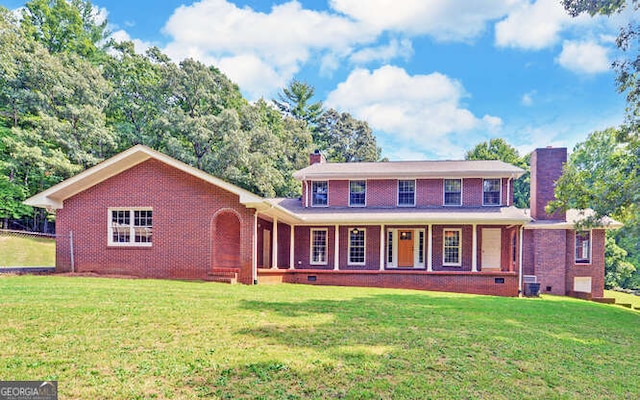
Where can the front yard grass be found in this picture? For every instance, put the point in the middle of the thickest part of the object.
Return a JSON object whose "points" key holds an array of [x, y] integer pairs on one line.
{"points": [[140, 339]]}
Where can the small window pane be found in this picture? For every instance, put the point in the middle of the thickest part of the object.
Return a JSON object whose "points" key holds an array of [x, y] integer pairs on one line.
{"points": [[406, 193], [319, 195], [356, 246], [451, 247], [491, 189], [452, 192], [319, 247], [357, 193]]}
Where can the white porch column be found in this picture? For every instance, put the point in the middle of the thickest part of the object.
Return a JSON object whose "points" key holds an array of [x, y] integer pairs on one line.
{"points": [[382, 247], [429, 247], [292, 238], [274, 241], [474, 239], [254, 249], [336, 249]]}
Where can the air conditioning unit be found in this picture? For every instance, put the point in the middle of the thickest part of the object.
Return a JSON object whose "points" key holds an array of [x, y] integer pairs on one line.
{"points": [[529, 279]]}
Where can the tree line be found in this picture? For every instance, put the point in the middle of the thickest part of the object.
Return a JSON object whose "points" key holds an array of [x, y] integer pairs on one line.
{"points": [[71, 97]]}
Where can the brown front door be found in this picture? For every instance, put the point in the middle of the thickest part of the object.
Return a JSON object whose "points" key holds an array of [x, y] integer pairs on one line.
{"points": [[405, 248]]}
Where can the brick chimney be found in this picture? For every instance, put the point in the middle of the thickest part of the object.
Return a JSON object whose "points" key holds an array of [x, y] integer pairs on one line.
{"points": [[546, 168], [316, 158]]}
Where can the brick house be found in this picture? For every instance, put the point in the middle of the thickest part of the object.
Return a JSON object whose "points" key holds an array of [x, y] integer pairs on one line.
{"points": [[432, 225]]}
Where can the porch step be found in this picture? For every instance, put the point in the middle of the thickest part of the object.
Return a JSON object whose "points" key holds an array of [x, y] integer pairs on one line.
{"points": [[224, 275]]}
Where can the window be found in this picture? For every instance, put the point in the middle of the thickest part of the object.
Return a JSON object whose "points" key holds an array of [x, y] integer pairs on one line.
{"points": [[357, 193], [406, 193], [491, 192], [356, 246], [130, 227], [318, 246], [452, 192], [452, 247], [583, 247], [319, 193], [421, 247], [390, 247]]}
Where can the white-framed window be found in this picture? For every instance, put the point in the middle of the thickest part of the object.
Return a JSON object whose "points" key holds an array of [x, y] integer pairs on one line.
{"points": [[406, 193], [357, 193], [130, 227], [583, 247], [319, 193], [357, 246], [452, 247], [318, 246], [491, 192], [453, 192]]}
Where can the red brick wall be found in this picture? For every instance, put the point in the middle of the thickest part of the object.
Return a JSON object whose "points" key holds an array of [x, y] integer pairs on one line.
{"points": [[338, 193], [382, 192], [302, 249], [546, 168], [549, 260], [460, 282], [595, 270], [429, 192], [183, 225], [372, 248], [284, 245]]}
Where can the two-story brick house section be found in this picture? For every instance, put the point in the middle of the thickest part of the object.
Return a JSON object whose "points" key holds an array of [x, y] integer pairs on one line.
{"points": [[432, 225]]}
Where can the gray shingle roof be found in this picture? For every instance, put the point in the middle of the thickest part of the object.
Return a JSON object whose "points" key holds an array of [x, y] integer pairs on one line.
{"points": [[410, 170]]}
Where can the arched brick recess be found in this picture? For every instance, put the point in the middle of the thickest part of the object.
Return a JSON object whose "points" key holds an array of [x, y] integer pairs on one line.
{"points": [[225, 238]]}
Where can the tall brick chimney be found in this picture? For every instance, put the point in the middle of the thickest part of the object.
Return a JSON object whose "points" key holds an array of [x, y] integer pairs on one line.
{"points": [[546, 168], [316, 158]]}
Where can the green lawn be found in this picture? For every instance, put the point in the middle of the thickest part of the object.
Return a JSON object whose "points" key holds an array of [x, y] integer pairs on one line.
{"points": [[623, 298], [135, 339], [21, 251]]}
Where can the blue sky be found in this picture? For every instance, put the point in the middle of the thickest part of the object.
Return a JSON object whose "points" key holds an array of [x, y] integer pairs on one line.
{"points": [[432, 78]]}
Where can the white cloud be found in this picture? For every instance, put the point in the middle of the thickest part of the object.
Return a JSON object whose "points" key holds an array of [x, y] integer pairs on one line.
{"points": [[283, 39], [527, 98], [441, 19], [140, 46], [395, 48], [424, 111], [532, 26], [584, 57]]}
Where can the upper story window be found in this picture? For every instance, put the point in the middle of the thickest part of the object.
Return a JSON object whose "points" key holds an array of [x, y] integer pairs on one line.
{"points": [[452, 192], [491, 192], [357, 193], [130, 227], [319, 193], [406, 193], [583, 247]]}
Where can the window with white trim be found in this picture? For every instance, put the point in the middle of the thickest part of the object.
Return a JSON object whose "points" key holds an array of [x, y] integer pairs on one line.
{"points": [[406, 192], [319, 193], [452, 247], [319, 246], [357, 193], [491, 192], [583, 247], [130, 227], [357, 246], [452, 192]]}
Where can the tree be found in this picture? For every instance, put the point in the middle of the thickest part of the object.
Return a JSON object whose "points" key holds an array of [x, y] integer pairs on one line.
{"points": [[499, 149], [345, 139], [628, 70], [294, 101], [603, 173], [619, 273], [65, 26]]}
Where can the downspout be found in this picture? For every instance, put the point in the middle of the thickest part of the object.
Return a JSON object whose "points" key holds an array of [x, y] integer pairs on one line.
{"points": [[520, 261]]}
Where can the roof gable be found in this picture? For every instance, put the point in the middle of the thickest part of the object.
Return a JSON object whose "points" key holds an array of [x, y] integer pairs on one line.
{"points": [[53, 198], [410, 169]]}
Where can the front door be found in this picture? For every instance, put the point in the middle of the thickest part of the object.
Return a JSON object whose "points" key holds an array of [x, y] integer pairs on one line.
{"points": [[405, 248], [491, 249]]}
